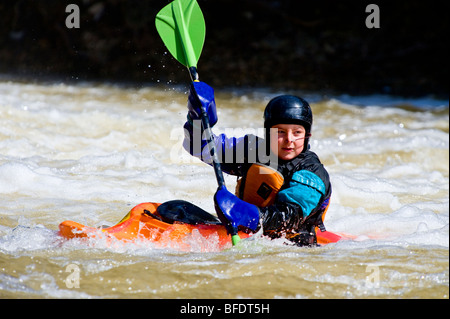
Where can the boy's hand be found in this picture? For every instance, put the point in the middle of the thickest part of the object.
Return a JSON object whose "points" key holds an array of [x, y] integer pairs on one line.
{"points": [[234, 212], [205, 95]]}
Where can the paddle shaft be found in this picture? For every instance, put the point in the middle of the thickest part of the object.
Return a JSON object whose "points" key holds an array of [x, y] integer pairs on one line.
{"points": [[182, 28], [235, 239], [209, 136], [212, 150]]}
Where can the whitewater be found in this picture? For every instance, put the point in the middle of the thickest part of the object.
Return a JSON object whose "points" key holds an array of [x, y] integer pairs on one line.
{"points": [[89, 152]]}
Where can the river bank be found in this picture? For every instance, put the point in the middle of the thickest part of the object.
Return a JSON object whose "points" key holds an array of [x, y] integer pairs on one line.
{"points": [[316, 46]]}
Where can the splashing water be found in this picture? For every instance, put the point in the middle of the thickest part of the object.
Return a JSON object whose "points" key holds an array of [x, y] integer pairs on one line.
{"points": [[90, 152]]}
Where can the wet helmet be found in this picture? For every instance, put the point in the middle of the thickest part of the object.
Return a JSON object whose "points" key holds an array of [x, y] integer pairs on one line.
{"points": [[289, 109]]}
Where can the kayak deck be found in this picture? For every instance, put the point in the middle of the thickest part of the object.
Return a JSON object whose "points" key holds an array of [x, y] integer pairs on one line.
{"points": [[144, 223]]}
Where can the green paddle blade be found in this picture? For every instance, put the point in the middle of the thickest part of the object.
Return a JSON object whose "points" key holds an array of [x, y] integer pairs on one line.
{"points": [[181, 26]]}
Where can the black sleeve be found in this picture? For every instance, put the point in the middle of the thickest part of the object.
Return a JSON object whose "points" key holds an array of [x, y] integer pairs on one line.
{"points": [[234, 153], [280, 217]]}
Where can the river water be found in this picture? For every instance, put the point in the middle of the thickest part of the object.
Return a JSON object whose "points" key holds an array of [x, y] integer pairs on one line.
{"points": [[90, 152]]}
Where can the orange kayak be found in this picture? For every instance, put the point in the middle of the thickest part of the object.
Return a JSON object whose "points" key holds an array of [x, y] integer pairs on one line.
{"points": [[144, 222]]}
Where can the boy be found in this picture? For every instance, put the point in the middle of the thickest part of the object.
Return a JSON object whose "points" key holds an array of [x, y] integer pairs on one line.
{"points": [[282, 185]]}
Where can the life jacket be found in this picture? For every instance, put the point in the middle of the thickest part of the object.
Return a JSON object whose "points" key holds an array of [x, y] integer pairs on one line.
{"points": [[261, 184]]}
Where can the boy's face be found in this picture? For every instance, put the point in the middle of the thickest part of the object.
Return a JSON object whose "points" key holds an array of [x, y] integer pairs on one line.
{"points": [[287, 140]]}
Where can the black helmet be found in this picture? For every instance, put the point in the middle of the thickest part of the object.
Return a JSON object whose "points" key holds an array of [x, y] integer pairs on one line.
{"points": [[288, 109]]}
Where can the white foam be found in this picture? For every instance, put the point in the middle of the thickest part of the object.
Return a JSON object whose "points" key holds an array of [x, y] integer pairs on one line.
{"points": [[90, 153]]}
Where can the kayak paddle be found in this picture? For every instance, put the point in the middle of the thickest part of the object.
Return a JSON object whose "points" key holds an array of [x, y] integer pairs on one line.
{"points": [[181, 27]]}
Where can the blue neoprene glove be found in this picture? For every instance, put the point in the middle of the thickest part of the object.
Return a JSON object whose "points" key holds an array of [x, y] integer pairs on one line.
{"points": [[235, 212], [205, 95]]}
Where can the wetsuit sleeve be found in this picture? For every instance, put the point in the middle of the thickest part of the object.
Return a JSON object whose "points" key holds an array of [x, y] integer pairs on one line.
{"points": [[294, 203], [305, 190], [232, 151]]}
